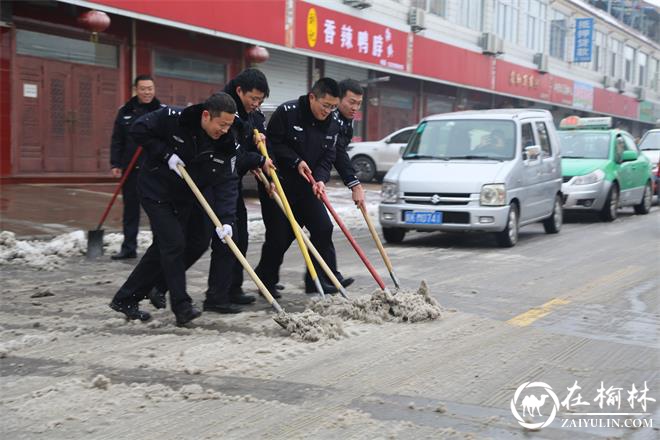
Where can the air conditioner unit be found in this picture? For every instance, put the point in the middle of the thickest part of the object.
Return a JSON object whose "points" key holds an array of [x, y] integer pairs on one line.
{"points": [[608, 81], [416, 19], [641, 93], [491, 44], [620, 85], [359, 4], [541, 61]]}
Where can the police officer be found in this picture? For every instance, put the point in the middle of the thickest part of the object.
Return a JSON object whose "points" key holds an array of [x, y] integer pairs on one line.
{"points": [[302, 135], [225, 293], [249, 89], [122, 148], [350, 101], [199, 138]]}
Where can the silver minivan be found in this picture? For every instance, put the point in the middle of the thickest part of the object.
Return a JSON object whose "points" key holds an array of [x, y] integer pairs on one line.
{"points": [[482, 170]]}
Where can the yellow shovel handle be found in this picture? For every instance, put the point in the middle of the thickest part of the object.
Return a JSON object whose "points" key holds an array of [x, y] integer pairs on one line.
{"points": [[262, 177], [289, 214]]}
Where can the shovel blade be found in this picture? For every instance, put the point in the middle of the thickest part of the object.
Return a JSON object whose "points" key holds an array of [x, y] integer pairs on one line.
{"points": [[94, 244]]}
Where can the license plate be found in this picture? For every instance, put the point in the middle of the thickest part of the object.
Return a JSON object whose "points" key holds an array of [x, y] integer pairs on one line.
{"points": [[422, 217]]}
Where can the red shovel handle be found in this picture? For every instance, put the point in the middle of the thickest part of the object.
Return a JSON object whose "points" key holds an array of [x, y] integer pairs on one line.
{"points": [[124, 176], [348, 235]]}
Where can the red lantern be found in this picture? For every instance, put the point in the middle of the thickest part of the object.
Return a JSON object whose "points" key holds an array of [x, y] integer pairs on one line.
{"points": [[257, 54], [95, 21]]}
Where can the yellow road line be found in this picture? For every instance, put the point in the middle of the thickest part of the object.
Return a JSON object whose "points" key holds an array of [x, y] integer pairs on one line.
{"points": [[528, 317], [525, 319]]}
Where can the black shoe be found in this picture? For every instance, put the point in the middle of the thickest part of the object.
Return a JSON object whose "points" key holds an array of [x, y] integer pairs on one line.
{"points": [[187, 314], [227, 308], [345, 282], [310, 286], [238, 297], [279, 286], [124, 255], [131, 310], [157, 298]]}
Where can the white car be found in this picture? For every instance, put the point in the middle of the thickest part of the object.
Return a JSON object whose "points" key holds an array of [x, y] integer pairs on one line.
{"points": [[374, 159], [650, 147]]}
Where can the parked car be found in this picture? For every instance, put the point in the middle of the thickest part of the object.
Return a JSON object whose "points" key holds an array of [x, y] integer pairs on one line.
{"points": [[374, 159], [602, 168], [485, 170], [650, 147]]}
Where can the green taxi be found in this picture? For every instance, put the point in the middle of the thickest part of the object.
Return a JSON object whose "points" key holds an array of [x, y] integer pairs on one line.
{"points": [[602, 168]]}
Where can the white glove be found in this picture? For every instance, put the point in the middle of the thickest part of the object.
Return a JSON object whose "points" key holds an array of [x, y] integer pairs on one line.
{"points": [[173, 161], [224, 231]]}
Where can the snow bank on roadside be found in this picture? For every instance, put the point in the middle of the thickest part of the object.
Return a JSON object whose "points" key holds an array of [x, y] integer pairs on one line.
{"points": [[50, 254]]}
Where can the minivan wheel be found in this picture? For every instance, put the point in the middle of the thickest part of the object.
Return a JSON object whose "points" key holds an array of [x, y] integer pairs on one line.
{"points": [[552, 224], [509, 236], [394, 235], [365, 168], [611, 207], [644, 206]]}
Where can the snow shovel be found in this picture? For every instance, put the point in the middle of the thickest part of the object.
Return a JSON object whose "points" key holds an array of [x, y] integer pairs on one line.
{"points": [[348, 235], [379, 245], [262, 177], [281, 317], [292, 220], [95, 236]]}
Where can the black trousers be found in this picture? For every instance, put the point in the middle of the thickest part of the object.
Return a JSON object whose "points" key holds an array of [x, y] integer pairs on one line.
{"points": [[226, 272], [165, 256], [131, 216], [310, 213], [200, 231]]}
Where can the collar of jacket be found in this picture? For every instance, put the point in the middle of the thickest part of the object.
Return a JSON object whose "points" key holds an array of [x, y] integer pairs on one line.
{"points": [[343, 118], [308, 116], [133, 103], [191, 118], [230, 89]]}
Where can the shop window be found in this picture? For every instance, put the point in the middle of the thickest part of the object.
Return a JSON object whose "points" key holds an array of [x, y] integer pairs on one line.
{"points": [[558, 31], [435, 7], [506, 20], [192, 69], [470, 14], [65, 49], [615, 50], [629, 57], [641, 63], [536, 17]]}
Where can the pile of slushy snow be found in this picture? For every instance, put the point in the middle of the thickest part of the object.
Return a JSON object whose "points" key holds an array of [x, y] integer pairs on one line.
{"points": [[383, 305], [50, 254]]}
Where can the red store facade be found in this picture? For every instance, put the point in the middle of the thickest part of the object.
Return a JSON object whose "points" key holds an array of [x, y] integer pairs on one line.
{"points": [[60, 91]]}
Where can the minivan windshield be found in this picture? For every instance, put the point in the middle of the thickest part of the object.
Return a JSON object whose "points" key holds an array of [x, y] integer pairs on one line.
{"points": [[584, 144], [466, 139]]}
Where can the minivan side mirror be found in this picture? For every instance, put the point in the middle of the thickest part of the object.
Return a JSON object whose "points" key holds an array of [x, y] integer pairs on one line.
{"points": [[388, 140], [629, 155], [532, 152]]}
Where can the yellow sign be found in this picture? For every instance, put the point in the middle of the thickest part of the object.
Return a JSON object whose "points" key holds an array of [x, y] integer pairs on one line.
{"points": [[312, 27]]}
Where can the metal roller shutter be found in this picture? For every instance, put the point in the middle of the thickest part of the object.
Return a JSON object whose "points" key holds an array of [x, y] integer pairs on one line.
{"points": [[286, 74], [339, 71]]}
